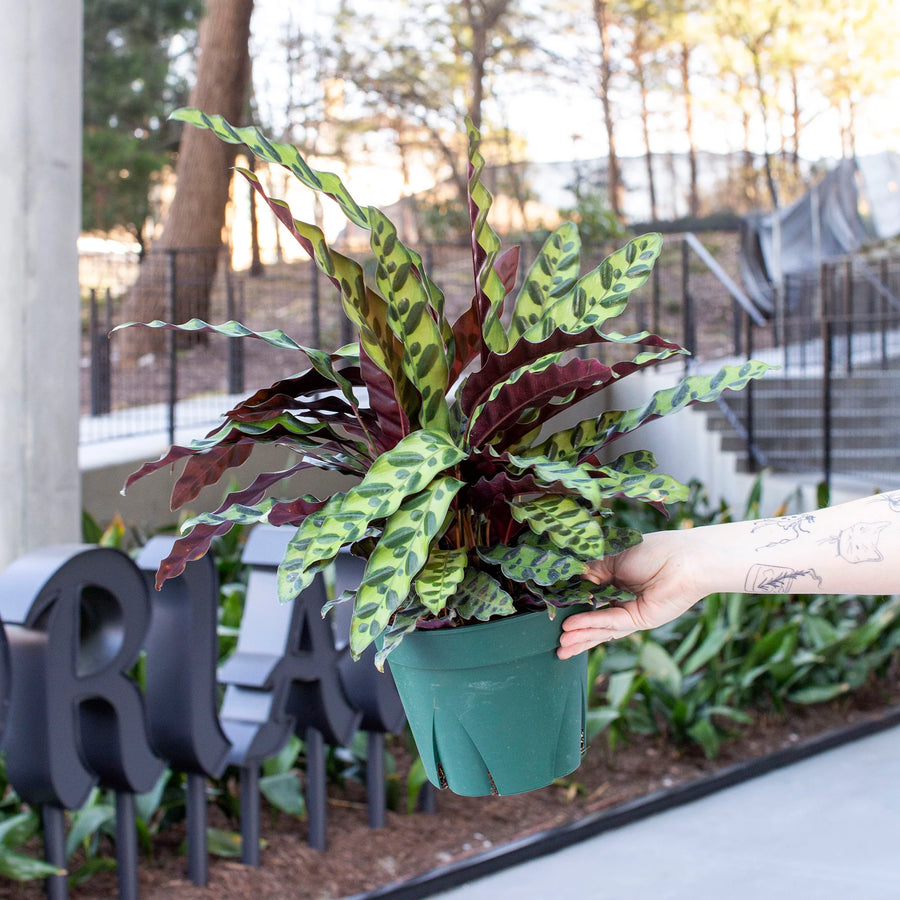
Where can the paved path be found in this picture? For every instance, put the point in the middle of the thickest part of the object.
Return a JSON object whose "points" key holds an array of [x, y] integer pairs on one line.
{"points": [[827, 828]]}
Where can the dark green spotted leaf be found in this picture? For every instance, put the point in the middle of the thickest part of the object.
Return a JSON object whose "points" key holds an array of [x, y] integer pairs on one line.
{"points": [[490, 291], [364, 308], [560, 596], [543, 563], [619, 537], [481, 597], [602, 294], [652, 488], [403, 622], [439, 578], [552, 275], [410, 318], [397, 558], [281, 154], [578, 479], [565, 522], [345, 518]]}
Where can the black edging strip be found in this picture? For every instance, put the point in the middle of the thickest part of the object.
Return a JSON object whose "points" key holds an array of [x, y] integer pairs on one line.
{"points": [[554, 839]]}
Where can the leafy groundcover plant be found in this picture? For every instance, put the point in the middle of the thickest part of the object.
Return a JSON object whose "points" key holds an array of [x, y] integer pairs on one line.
{"points": [[468, 508]]}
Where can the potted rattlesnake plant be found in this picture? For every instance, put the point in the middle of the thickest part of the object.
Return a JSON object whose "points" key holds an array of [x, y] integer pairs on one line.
{"points": [[476, 519]]}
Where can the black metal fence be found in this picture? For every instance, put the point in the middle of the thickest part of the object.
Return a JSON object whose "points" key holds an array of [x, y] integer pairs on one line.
{"points": [[137, 385], [143, 381], [833, 335]]}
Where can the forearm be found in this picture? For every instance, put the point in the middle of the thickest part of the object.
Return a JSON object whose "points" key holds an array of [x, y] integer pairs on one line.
{"points": [[852, 548]]}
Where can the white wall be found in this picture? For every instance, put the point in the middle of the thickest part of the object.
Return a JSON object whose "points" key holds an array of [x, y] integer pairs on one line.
{"points": [[40, 210], [686, 449]]}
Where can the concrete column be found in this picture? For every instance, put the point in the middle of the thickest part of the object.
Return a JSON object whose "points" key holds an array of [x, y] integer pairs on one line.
{"points": [[40, 212]]}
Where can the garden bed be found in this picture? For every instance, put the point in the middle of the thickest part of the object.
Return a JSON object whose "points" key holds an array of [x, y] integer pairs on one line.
{"points": [[416, 855]]}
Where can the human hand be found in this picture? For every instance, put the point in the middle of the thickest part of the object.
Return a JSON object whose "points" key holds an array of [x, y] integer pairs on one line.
{"points": [[656, 572]]}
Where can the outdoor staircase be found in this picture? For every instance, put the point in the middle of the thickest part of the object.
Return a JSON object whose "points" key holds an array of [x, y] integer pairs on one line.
{"points": [[789, 423]]}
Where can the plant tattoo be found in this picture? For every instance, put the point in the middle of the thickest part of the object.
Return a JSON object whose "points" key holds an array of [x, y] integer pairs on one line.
{"points": [[791, 526], [763, 579]]}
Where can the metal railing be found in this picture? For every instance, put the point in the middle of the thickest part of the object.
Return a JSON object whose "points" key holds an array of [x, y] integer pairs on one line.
{"points": [[831, 410], [836, 340]]}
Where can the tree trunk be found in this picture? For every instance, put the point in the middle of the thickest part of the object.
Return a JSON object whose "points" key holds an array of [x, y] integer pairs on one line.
{"points": [[645, 128], [203, 176], [614, 179], [694, 202], [256, 266], [764, 112]]}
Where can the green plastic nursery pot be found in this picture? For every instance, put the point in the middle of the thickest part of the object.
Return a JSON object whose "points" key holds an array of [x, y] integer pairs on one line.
{"points": [[491, 707]]}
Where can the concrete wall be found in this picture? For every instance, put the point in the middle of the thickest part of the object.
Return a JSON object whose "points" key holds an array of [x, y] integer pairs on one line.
{"points": [[40, 211], [145, 506]]}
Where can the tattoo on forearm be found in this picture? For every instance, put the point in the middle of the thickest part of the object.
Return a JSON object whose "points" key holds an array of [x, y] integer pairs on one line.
{"points": [[859, 542], [892, 498], [790, 528], [763, 579]]}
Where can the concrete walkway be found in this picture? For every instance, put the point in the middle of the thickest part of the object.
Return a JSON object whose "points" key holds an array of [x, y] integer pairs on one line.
{"points": [[827, 828]]}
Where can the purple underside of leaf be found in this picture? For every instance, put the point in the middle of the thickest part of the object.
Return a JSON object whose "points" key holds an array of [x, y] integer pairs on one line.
{"points": [[500, 366], [485, 492], [203, 469], [466, 339], [535, 390], [323, 409], [574, 390], [256, 491], [172, 456], [308, 382], [190, 547], [293, 512], [392, 421], [196, 544], [284, 215]]}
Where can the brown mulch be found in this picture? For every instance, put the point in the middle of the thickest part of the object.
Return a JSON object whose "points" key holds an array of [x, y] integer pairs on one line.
{"points": [[359, 859]]}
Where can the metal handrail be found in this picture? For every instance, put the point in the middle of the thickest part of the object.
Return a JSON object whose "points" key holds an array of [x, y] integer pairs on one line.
{"points": [[726, 280]]}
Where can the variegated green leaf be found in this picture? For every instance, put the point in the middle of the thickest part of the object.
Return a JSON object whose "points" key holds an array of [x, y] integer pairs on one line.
{"points": [[634, 461], [602, 293], [281, 154], [556, 597], [542, 563], [409, 315], [276, 338], [320, 361], [577, 478], [591, 435], [487, 246], [551, 276], [332, 602], [438, 579], [397, 558], [301, 430], [237, 514], [363, 307], [394, 476], [481, 597], [609, 593], [565, 521], [652, 487], [403, 622], [619, 537]]}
